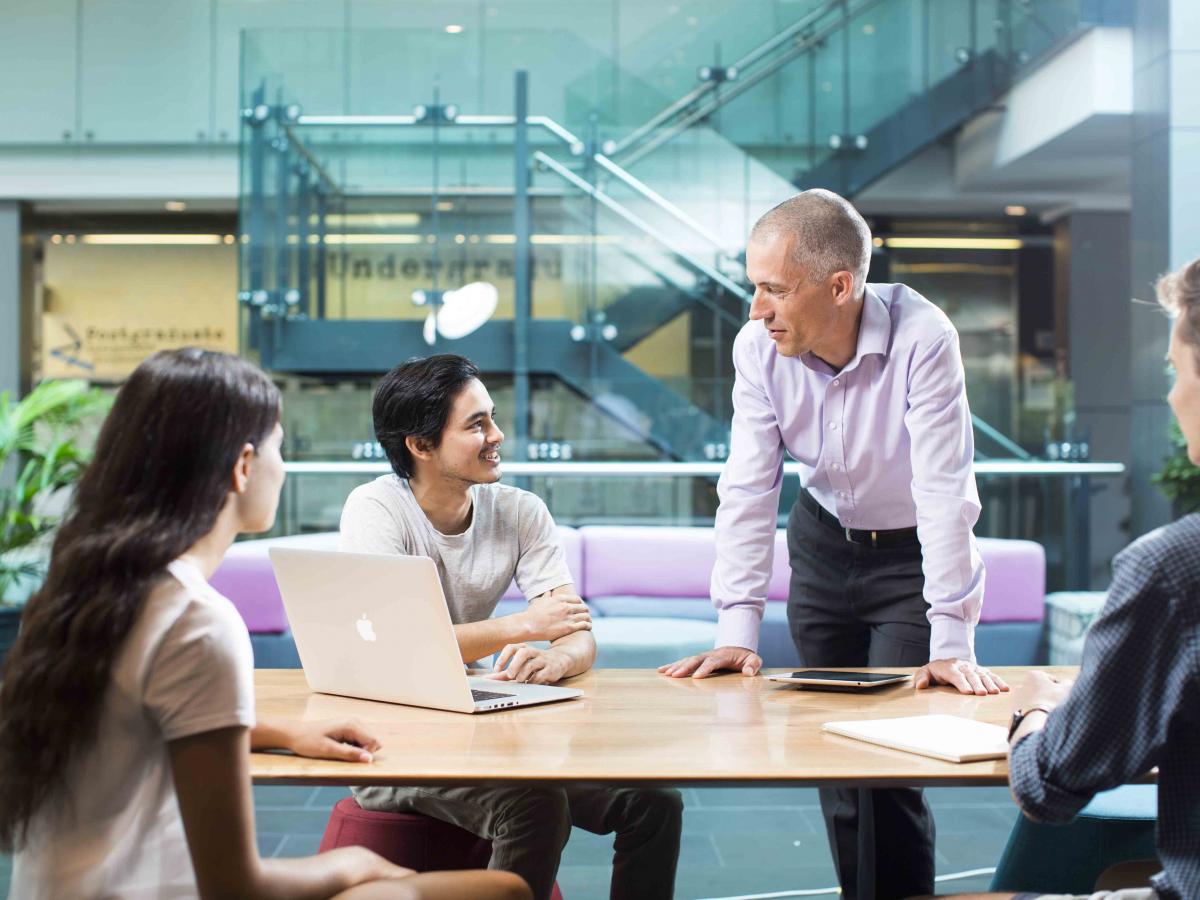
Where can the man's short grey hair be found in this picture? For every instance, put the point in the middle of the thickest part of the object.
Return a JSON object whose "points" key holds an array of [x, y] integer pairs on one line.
{"points": [[829, 235]]}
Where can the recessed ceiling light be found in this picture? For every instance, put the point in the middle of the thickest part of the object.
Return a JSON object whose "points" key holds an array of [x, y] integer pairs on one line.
{"points": [[158, 238], [953, 243], [175, 206], [454, 29], [1015, 210]]}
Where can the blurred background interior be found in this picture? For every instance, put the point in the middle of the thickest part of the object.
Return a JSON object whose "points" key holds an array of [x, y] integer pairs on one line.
{"points": [[561, 190]]}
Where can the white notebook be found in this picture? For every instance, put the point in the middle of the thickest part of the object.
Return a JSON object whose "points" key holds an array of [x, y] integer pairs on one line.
{"points": [[951, 738]]}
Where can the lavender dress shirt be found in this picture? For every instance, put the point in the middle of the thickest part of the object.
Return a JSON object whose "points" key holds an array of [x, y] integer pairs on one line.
{"points": [[884, 443]]}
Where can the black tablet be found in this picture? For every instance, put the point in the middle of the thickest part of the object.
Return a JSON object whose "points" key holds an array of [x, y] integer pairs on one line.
{"points": [[855, 681]]}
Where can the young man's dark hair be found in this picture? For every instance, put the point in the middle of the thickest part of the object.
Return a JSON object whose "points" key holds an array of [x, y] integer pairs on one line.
{"points": [[414, 400]]}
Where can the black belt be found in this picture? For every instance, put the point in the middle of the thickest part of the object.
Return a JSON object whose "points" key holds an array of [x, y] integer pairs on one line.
{"points": [[886, 538]]}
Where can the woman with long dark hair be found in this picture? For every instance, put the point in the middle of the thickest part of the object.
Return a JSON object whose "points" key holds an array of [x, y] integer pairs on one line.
{"points": [[127, 707]]}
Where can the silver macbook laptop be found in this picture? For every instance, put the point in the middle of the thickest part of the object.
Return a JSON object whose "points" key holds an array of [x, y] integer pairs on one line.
{"points": [[378, 628]]}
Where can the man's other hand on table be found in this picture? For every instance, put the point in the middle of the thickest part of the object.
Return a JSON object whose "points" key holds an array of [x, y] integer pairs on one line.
{"points": [[711, 661], [968, 677]]}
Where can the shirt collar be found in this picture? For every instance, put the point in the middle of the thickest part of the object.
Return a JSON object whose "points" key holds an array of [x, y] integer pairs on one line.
{"points": [[875, 329], [874, 335]]}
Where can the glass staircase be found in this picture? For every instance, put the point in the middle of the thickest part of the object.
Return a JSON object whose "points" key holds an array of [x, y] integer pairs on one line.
{"points": [[380, 174]]}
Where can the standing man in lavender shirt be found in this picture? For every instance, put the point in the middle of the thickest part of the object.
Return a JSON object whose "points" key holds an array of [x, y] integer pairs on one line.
{"points": [[863, 385]]}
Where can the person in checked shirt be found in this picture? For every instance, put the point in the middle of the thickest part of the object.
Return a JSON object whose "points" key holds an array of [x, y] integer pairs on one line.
{"points": [[1136, 703], [863, 385]]}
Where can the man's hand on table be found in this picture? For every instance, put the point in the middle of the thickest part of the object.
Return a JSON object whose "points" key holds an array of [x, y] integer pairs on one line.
{"points": [[968, 677], [722, 658], [531, 665]]}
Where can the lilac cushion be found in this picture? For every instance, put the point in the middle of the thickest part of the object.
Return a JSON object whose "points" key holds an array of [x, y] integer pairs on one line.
{"points": [[245, 576], [572, 545], [651, 561], [1015, 586], [640, 561]]}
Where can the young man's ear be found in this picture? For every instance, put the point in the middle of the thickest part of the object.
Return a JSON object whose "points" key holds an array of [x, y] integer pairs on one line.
{"points": [[418, 446], [241, 469]]}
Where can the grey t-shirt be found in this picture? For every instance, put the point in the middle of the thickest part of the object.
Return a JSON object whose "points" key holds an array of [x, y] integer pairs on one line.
{"points": [[511, 535]]}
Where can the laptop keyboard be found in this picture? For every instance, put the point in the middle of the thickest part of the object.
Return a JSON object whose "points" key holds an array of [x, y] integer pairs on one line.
{"points": [[478, 696]]}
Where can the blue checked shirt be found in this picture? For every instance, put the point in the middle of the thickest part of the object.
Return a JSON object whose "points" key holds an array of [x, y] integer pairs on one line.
{"points": [[1136, 705]]}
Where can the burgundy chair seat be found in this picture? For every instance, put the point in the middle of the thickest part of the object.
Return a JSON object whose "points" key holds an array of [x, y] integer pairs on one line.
{"points": [[407, 839]]}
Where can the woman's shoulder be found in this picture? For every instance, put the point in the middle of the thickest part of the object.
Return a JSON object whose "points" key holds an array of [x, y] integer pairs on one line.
{"points": [[184, 607]]}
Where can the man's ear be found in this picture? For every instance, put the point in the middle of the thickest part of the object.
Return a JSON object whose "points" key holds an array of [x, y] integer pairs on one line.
{"points": [[842, 285], [418, 446], [241, 470]]}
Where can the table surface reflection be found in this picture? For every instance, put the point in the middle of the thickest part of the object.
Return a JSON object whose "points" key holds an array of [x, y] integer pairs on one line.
{"points": [[634, 726]]}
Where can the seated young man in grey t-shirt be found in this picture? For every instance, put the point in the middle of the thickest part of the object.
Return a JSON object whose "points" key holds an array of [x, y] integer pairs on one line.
{"points": [[435, 421]]}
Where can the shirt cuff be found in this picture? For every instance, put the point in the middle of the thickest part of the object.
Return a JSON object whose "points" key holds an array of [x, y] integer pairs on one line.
{"points": [[738, 626], [951, 638], [1038, 798]]}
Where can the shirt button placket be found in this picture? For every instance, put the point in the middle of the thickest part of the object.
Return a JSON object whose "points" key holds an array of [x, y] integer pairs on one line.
{"points": [[840, 479]]}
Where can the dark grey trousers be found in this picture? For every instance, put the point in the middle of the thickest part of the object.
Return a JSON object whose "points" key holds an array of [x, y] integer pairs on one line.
{"points": [[855, 605], [529, 826]]}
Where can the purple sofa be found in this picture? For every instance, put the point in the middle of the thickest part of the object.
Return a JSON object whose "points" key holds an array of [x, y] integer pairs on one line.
{"points": [[662, 573]]}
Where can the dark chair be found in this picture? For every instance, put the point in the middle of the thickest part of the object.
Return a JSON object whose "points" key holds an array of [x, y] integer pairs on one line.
{"points": [[407, 839], [1117, 826]]}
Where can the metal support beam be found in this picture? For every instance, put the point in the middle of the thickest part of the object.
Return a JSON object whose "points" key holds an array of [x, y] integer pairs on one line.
{"points": [[322, 211], [16, 333], [14, 348], [304, 190], [522, 269]]}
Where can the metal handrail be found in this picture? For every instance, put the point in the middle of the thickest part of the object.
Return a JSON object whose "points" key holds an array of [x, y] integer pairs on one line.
{"points": [[1011, 467], [313, 163], [1000, 438], [660, 201], [632, 218], [736, 89], [572, 142], [700, 90], [545, 122]]}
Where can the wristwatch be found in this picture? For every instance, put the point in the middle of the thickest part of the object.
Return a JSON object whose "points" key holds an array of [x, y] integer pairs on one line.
{"points": [[1018, 717]]}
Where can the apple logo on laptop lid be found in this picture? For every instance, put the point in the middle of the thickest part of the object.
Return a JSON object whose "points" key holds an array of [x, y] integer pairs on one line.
{"points": [[365, 629]]}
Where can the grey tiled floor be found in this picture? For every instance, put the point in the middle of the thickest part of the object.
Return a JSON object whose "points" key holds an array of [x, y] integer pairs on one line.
{"points": [[735, 841]]}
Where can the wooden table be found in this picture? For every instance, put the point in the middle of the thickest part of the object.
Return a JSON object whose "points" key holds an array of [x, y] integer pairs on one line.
{"points": [[634, 726]]}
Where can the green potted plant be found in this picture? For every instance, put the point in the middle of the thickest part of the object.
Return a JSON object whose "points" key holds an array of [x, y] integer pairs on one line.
{"points": [[1180, 478], [40, 454]]}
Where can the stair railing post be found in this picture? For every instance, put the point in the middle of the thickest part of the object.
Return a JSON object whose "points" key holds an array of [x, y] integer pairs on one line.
{"points": [[254, 228]]}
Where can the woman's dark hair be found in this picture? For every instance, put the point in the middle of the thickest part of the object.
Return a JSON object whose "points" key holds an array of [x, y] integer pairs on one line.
{"points": [[414, 400], [158, 480]]}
